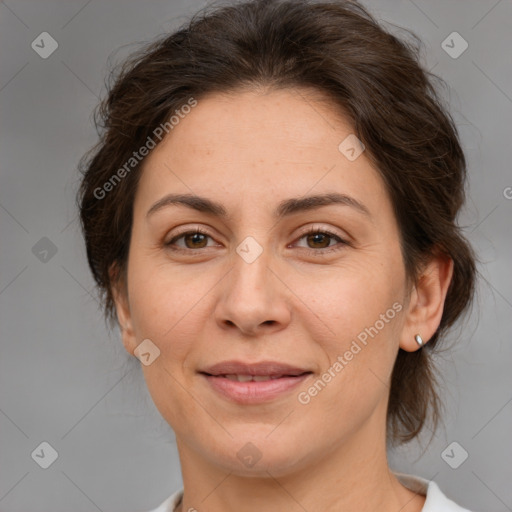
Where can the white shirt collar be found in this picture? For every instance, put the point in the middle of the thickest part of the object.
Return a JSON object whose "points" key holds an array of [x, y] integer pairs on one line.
{"points": [[436, 501]]}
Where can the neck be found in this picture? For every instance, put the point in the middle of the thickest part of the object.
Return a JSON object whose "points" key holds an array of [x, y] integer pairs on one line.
{"points": [[351, 476]]}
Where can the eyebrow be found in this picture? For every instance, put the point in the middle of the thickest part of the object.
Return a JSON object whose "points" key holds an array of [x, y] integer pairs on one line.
{"points": [[285, 208]]}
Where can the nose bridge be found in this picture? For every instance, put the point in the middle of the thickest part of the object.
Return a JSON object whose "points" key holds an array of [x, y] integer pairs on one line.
{"points": [[251, 270], [251, 295], [252, 254]]}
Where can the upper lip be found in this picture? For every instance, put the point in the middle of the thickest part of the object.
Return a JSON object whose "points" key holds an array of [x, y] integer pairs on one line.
{"points": [[262, 368]]}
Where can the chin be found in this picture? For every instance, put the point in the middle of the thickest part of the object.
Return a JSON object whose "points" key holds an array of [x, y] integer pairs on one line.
{"points": [[252, 452]]}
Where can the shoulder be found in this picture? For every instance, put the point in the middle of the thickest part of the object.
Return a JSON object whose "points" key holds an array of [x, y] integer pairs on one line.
{"points": [[170, 503], [436, 501]]}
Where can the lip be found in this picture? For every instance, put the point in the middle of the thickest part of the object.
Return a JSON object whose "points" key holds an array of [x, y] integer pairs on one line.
{"points": [[271, 368], [286, 378]]}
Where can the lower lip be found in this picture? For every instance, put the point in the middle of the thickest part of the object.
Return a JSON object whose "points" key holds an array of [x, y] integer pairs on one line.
{"points": [[254, 392]]}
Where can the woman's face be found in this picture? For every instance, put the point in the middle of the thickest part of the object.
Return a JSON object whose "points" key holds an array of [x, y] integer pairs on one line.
{"points": [[253, 287]]}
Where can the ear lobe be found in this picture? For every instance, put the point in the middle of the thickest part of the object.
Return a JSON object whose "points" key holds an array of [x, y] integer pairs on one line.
{"points": [[426, 306], [122, 305]]}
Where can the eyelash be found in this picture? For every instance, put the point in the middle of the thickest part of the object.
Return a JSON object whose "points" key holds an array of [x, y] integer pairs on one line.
{"points": [[313, 231]]}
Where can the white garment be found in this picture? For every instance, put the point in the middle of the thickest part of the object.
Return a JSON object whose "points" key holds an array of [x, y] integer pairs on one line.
{"points": [[436, 501]]}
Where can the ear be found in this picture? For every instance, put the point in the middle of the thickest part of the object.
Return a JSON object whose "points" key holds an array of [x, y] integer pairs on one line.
{"points": [[122, 304], [426, 305]]}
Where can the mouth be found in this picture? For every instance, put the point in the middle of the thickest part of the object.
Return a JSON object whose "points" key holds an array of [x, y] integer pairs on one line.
{"points": [[253, 383], [252, 378]]}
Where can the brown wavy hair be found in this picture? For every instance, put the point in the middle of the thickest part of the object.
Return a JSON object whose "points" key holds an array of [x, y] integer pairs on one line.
{"points": [[338, 49]]}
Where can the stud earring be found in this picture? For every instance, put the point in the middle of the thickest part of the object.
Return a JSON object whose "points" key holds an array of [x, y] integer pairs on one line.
{"points": [[419, 340]]}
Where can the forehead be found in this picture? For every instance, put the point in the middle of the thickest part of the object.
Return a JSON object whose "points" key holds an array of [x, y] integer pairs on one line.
{"points": [[256, 120], [259, 145]]}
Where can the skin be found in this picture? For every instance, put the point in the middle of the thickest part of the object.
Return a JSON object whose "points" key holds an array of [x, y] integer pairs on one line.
{"points": [[296, 303]]}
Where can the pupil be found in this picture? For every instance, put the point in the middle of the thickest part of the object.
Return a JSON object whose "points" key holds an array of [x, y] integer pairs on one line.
{"points": [[317, 238], [196, 238]]}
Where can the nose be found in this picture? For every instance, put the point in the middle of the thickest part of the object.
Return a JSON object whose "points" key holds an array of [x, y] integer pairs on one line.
{"points": [[253, 297]]}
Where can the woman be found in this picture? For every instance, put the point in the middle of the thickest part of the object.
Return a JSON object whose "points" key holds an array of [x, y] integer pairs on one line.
{"points": [[271, 215]]}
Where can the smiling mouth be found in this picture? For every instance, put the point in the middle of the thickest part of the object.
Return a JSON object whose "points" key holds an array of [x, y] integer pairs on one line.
{"points": [[244, 389], [254, 378]]}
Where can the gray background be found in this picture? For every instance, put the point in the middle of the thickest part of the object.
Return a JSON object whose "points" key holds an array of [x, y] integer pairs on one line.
{"points": [[65, 380]]}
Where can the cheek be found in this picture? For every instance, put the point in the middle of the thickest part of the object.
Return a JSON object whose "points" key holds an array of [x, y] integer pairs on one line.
{"points": [[359, 312], [165, 304], [350, 298], [165, 308]]}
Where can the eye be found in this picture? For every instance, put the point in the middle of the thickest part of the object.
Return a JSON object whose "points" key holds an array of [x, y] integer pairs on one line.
{"points": [[196, 239], [319, 241]]}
